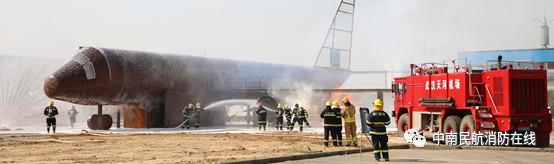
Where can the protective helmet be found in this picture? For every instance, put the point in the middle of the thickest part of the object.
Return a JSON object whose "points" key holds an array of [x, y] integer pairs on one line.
{"points": [[301, 107], [190, 105], [72, 107], [51, 102], [279, 105], [328, 103], [286, 105], [335, 103], [260, 105], [378, 102], [345, 100], [197, 104], [296, 105]]}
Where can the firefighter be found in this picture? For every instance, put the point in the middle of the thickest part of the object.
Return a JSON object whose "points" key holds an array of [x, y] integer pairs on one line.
{"points": [[50, 112], [72, 113], [186, 115], [329, 119], [377, 121], [295, 112], [196, 111], [305, 119], [348, 112], [300, 115], [288, 116], [338, 124], [279, 115], [262, 117]]}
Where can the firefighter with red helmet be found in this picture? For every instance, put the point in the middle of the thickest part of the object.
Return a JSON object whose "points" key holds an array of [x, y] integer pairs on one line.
{"points": [[377, 121], [262, 117], [329, 121], [50, 112], [348, 112]]}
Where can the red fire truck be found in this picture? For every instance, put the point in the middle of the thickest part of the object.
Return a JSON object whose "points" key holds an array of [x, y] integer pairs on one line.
{"points": [[493, 98]]}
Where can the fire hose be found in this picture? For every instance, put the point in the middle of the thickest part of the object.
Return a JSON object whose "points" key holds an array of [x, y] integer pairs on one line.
{"points": [[185, 121]]}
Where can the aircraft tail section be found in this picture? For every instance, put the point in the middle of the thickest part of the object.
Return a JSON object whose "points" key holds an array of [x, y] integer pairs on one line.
{"points": [[336, 49]]}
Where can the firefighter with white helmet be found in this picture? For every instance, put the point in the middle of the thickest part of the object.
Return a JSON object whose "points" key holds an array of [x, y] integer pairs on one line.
{"points": [[377, 121], [72, 113], [50, 112]]}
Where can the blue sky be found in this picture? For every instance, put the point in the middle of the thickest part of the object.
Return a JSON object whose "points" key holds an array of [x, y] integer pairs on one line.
{"points": [[388, 34]]}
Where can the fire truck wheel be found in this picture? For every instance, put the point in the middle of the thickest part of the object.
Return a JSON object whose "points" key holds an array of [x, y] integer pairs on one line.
{"points": [[451, 124], [468, 124], [403, 124]]}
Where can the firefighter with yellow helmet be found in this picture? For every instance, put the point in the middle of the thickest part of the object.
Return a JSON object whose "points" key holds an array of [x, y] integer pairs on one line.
{"points": [[288, 116], [329, 121], [279, 115], [377, 121], [196, 110], [50, 112], [338, 124], [186, 114]]}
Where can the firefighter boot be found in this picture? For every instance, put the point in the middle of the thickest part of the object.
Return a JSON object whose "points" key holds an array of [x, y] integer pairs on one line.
{"points": [[53, 129], [386, 159], [300, 128], [48, 129], [264, 128]]}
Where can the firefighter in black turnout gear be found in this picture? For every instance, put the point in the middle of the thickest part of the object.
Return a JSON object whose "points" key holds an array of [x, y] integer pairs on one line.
{"points": [[262, 117], [186, 114], [300, 115], [305, 119], [294, 113], [377, 121], [279, 115], [288, 116], [329, 123], [196, 110], [338, 124], [50, 112]]}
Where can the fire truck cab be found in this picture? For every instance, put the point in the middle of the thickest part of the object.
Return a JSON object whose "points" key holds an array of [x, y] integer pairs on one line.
{"points": [[450, 97]]}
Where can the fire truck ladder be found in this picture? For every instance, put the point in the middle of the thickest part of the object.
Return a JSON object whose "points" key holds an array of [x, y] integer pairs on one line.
{"points": [[485, 117]]}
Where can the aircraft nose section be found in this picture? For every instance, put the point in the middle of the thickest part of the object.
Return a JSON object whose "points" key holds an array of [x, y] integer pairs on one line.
{"points": [[67, 83], [51, 86]]}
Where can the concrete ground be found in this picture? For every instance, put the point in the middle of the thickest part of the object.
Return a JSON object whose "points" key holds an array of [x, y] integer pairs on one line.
{"points": [[440, 156]]}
